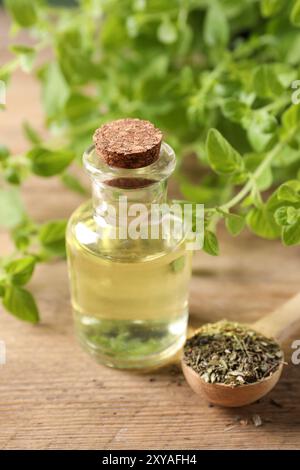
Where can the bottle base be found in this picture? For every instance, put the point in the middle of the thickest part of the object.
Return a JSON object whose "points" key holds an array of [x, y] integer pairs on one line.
{"points": [[104, 342], [150, 362]]}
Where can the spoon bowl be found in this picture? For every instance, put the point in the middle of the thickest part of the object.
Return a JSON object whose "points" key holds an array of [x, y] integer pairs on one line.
{"points": [[278, 325], [225, 395]]}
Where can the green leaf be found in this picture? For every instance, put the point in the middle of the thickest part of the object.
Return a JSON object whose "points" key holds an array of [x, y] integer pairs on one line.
{"points": [[286, 157], [21, 303], [20, 270], [178, 264], [223, 158], [73, 183], [74, 54], [2, 288], [55, 91], [273, 203], [113, 30], [167, 32], [4, 153], [132, 26], [52, 236], [12, 175], [291, 234], [291, 118], [280, 216], [22, 234], [21, 49], [31, 133], [285, 73], [235, 110], [271, 7], [292, 215], [261, 129], [286, 215], [26, 56], [46, 162], [200, 193], [80, 107], [210, 245], [252, 161], [265, 81], [234, 223], [216, 28], [295, 13], [11, 208], [261, 222], [289, 191], [24, 12]]}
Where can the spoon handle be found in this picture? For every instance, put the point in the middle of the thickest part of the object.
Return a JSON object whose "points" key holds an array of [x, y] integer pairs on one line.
{"points": [[283, 322]]}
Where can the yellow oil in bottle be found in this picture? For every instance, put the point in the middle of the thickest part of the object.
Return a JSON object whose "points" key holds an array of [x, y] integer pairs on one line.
{"points": [[130, 311]]}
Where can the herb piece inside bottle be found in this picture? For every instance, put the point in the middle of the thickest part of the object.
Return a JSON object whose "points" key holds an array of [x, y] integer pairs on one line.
{"points": [[232, 354]]}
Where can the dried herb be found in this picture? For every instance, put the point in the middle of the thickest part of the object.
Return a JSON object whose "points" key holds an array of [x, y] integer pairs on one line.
{"points": [[178, 264], [257, 421], [276, 403], [232, 354], [126, 339], [254, 419]]}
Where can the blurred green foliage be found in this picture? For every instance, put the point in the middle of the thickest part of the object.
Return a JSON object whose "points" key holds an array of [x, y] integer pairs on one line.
{"points": [[215, 75]]}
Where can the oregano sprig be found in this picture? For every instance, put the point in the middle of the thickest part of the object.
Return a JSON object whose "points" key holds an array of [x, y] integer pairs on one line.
{"points": [[215, 76]]}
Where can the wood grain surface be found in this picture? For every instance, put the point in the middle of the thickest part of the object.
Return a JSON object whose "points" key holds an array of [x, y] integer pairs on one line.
{"points": [[54, 396]]}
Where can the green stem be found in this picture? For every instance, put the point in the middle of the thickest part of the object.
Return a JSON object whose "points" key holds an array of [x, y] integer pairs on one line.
{"points": [[258, 172], [9, 67], [277, 105]]}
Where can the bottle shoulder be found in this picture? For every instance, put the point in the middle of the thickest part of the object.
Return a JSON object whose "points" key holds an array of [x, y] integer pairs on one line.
{"points": [[84, 233], [82, 213]]}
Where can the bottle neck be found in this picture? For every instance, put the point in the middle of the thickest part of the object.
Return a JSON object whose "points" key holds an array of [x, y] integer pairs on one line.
{"points": [[110, 185], [110, 200]]}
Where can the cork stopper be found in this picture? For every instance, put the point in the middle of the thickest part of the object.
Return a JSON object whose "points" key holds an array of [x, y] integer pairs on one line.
{"points": [[128, 143]]}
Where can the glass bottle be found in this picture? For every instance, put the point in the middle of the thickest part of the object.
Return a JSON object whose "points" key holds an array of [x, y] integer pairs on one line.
{"points": [[129, 296]]}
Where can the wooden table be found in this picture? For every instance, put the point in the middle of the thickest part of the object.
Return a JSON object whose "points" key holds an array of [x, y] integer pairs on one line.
{"points": [[53, 395]]}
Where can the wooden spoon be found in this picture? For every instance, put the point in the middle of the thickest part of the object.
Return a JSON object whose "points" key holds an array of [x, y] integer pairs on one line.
{"points": [[279, 325]]}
